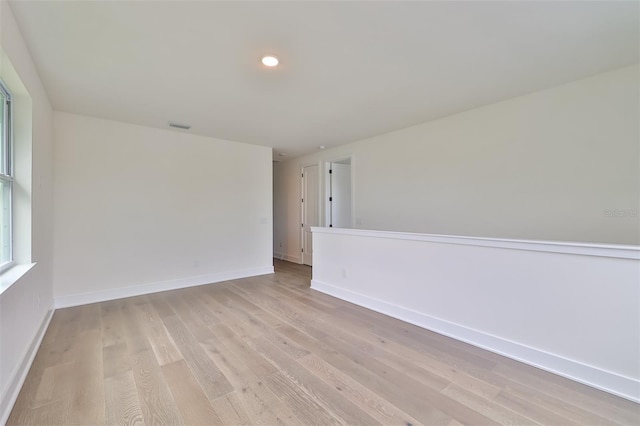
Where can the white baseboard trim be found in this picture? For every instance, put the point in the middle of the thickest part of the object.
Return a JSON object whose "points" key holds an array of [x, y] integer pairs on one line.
{"points": [[607, 381], [288, 258], [138, 290], [20, 374]]}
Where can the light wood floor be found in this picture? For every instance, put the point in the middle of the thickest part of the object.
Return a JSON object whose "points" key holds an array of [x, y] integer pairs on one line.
{"points": [[268, 350]]}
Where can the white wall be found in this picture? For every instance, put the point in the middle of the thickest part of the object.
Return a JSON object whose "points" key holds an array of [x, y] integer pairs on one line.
{"points": [[569, 308], [26, 306], [541, 166], [141, 209]]}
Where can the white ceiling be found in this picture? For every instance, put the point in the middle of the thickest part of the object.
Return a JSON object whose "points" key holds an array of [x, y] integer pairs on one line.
{"points": [[349, 70]]}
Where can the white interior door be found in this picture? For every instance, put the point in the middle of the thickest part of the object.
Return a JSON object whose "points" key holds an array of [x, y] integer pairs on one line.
{"points": [[310, 217], [340, 195]]}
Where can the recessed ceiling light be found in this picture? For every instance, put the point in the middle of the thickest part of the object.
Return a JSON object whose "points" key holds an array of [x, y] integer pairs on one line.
{"points": [[321, 147], [270, 61], [283, 154]]}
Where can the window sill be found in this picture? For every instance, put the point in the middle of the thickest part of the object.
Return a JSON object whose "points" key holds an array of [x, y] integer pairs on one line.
{"points": [[13, 275]]}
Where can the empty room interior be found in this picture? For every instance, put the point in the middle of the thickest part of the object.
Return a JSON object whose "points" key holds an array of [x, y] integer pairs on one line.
{"points": [[319, 212]]}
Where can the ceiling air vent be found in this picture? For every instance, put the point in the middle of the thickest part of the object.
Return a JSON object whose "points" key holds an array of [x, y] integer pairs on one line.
{"points": [[179, 125]]}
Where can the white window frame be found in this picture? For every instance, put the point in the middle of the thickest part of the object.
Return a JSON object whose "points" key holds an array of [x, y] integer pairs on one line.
{"points": [[6, 166]]}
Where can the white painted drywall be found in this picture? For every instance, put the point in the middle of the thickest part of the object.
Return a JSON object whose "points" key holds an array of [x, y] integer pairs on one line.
{"points": [[27, 304], [574, 313], [544, 166], [138, 207]]}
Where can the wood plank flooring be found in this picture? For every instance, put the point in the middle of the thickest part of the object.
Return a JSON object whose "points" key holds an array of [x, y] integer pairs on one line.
{"points": [[268, 350]]}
